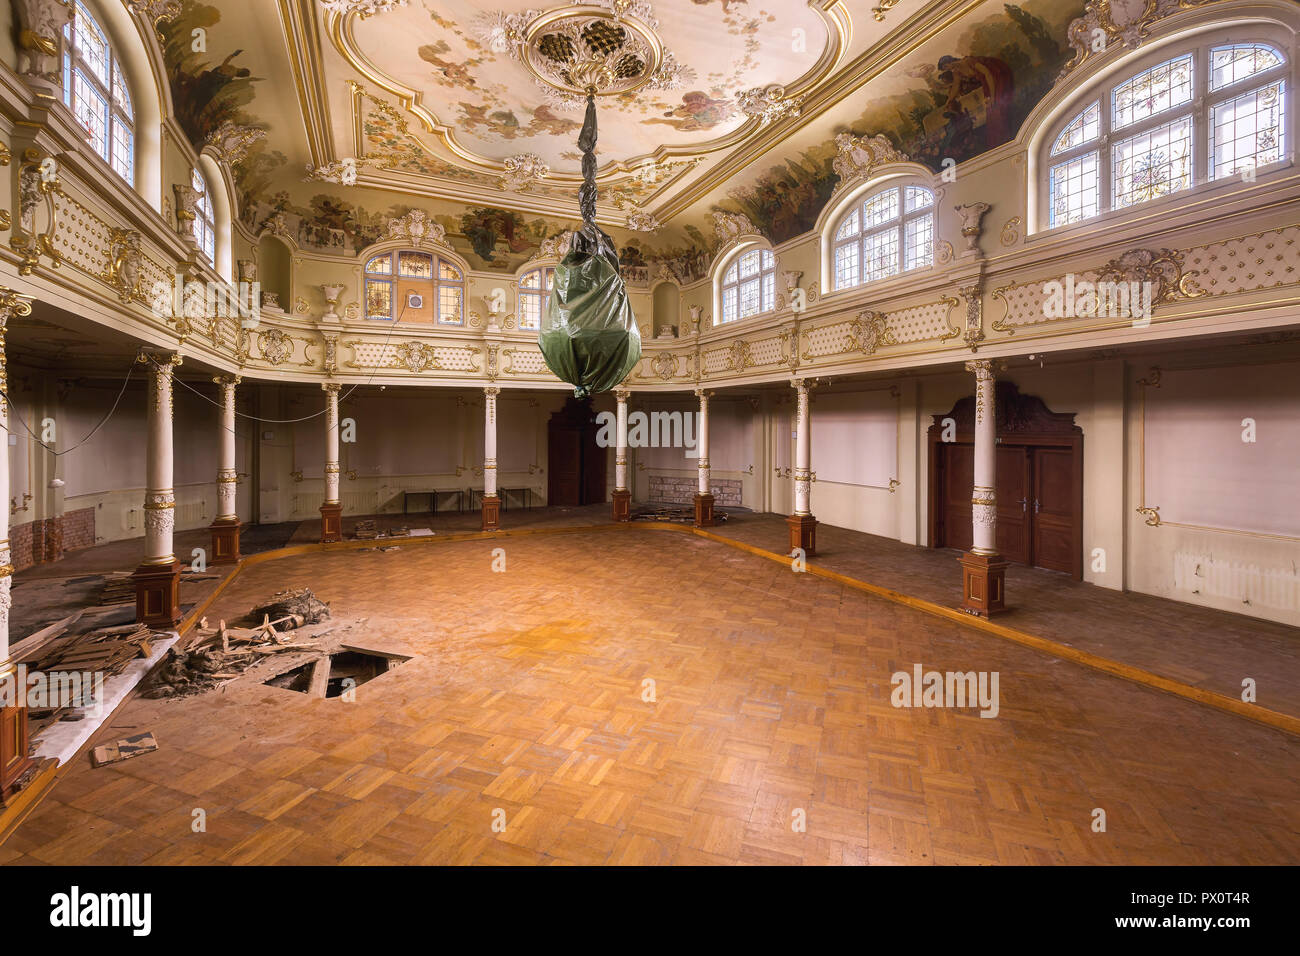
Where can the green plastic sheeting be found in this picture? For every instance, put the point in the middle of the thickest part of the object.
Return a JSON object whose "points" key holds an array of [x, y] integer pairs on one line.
{"points": [[589, 337]]}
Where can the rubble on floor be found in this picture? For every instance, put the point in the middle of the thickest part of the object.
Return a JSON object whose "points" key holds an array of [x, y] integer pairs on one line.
{"points": [[682, 515], [124, 749], [102, 650], [366, 529], [295, 603]]}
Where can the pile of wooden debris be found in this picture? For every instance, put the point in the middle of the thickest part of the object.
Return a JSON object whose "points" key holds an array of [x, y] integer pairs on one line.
{"points": [[99, 650], [214, 655]]}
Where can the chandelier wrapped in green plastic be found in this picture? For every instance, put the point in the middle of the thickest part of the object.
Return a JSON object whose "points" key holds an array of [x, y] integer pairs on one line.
{"points": [[589, 337]]}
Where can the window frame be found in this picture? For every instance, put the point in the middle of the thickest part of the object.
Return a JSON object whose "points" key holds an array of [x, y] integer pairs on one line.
{"points": [[546, 285], [205, 217], [1199, 108], [765, 276], [435, 281], [76, 66], [897, 224]]}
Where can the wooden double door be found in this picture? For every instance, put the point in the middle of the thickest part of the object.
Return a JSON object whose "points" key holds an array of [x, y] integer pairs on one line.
{"points": [[1037, 503], [575, 462], [1039, 482]]}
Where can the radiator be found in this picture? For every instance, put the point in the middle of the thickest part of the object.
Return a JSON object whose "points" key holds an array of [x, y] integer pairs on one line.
{"points": [[191, 514], [1274, 587]]}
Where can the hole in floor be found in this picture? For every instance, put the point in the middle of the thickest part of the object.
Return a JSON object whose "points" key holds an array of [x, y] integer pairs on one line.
{"points": [[336, 674]]}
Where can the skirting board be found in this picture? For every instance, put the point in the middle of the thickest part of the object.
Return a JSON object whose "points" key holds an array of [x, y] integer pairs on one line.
{"points": [[63, 738]]}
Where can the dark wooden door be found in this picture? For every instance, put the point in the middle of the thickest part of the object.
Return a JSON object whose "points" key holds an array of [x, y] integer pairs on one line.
{"points": [[577, 464], [1056, 521], [564, 454], [1013, 493], [957, 466]]}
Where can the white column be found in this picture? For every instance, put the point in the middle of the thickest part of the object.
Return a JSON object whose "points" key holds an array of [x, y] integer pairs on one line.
{"points": [[10, 306], [227, 477], [331, 442], [490, 441], [621, 395], [984, 505], [802, 451], [159, 497], [702, 442]]}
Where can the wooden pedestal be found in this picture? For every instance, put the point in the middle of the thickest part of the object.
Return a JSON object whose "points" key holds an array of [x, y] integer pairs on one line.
{"points": [[703, 511], [803, 533], [622, 505], [225, 541], [331, 523], [983, 583], [158, 594], [15, 764], [491, 512]]}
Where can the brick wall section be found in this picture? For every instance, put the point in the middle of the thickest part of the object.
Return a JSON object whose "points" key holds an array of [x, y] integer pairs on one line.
{"points": [[681, 491], [46, 540]]}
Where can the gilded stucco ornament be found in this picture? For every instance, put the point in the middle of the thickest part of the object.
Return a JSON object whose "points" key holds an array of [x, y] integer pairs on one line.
{"points": [[417, 228], [124, 263], [418, 356], [276, 346], [730, 226], [973, 334], [972, 223], [739, 356], [643, 221], [858, 155], [522, 171], [40, 41], [362, 8], [868, 331], [1127, 22], [231, 141], [1163, 269], [768, 104], [664, 365], [187, 201], [35, 188]]}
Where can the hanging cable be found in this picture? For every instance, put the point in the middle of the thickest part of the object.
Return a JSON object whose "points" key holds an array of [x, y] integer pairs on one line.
{"points": [[102, 422]]}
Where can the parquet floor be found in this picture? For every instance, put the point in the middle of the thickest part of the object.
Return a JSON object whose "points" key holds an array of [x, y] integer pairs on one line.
{"points": [[772, 702]]}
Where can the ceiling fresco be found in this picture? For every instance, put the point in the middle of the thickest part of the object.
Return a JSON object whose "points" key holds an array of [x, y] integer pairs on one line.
{"points": [[358, 111]]}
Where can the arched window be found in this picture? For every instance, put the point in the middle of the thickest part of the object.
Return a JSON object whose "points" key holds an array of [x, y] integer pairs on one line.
{"points": [[1205, 114], [749, 285], [534, 294], [95, 89], [415, 287], [205, 223], [889, 232]]}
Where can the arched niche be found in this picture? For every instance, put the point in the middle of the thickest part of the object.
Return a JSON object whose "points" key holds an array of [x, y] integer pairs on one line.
{"points": [[666, 301], [273, 269]]}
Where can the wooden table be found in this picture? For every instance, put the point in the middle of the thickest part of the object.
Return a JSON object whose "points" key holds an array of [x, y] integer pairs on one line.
{"points": [[433, 494]]}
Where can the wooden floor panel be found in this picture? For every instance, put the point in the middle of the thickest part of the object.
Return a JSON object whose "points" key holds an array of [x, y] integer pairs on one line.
{"points": [[771, 706]]}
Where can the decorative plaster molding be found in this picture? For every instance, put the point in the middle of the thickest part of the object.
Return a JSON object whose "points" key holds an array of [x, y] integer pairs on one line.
{"points": [[858, 155]]}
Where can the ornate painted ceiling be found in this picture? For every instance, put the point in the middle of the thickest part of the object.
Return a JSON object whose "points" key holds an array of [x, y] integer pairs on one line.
{"points": [[369, 108]]}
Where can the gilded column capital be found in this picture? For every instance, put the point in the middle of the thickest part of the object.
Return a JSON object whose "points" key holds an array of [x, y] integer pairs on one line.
{"points": [[12, 305], [331, 388], [226, 381], [491, 391], [622, 394], [984, 369]]}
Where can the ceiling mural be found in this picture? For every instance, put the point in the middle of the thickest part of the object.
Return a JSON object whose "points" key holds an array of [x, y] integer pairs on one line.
{"points": [[956, 97], [208, 89], [418, 105], [454, 58]]}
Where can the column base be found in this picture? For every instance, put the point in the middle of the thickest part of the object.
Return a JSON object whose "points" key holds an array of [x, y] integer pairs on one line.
{"points": [[621, 505], [16, 765], [491, 512], [983, 583], [703, 511], [225, 541], [803, 533], [158, 594], [331, 522]]}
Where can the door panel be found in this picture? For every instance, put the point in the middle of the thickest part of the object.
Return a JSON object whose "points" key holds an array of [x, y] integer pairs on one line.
{"points": [[1013, 491], [1054, 519], [564, 459], [958, 480]]}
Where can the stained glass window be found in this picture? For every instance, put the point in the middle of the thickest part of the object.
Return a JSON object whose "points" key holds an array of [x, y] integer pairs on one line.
{"points": [[95, 89], [534, 295], [897, 235], [749, 285], [414, 273], [1153, 140]]}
